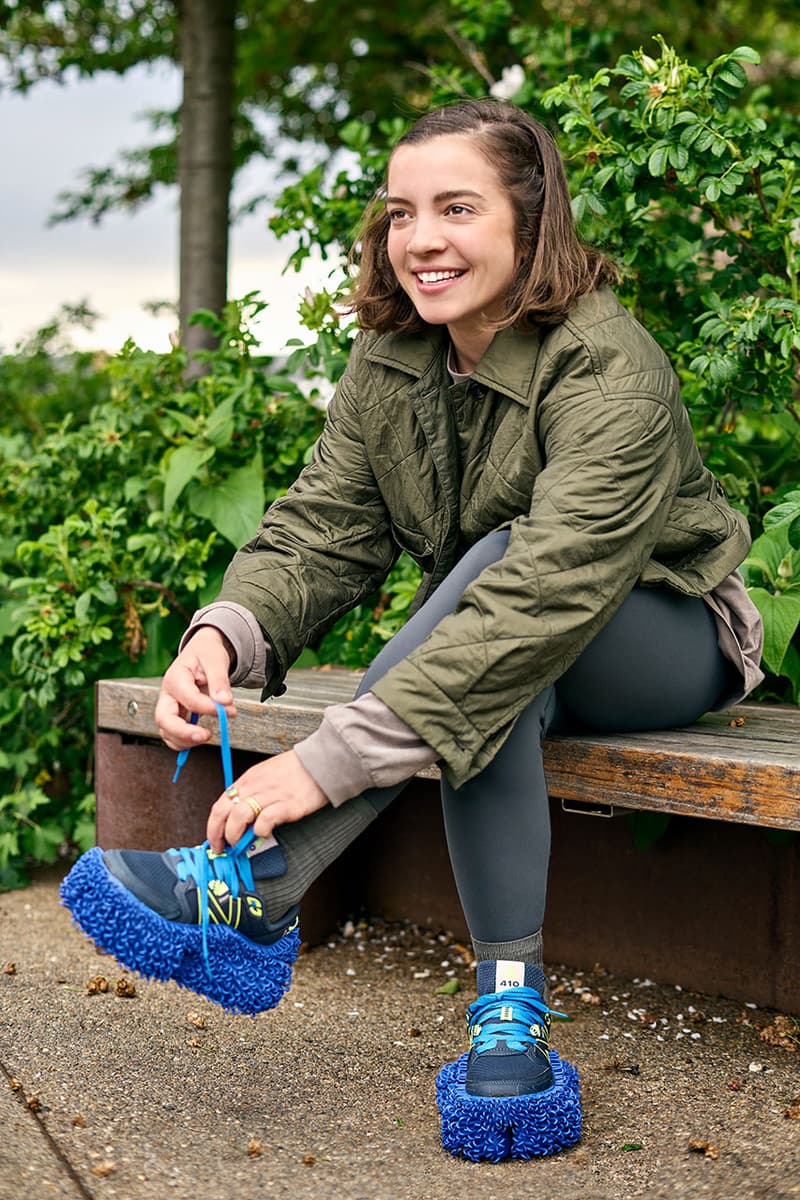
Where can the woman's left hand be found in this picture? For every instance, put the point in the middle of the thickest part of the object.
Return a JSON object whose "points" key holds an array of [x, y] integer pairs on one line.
{"points": [[280, 787]]}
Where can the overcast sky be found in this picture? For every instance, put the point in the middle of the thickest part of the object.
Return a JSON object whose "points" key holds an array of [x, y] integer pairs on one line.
{"points": [[45, 138]]}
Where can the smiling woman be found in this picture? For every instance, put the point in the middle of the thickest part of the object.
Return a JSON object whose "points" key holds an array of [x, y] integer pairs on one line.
{"points": [[452, 249], [510, 425], [506, 170]]}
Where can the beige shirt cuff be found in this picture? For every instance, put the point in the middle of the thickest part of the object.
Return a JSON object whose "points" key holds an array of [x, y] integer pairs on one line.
{"points": [[359, 746], [252, 654]]}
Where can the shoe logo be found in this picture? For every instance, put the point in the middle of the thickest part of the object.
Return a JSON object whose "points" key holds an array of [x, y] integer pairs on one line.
{"points": [[255, 907]]}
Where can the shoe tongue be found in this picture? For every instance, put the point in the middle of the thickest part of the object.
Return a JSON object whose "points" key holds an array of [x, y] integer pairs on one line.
{"points": [[501, 975], [267, 860]]}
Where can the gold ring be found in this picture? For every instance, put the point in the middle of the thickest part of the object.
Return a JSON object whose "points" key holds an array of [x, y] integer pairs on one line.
{"points": [[256, 807], [232, 793]]}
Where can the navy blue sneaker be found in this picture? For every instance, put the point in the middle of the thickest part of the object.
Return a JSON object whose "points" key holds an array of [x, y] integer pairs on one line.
{"points": [[189, 915], [170, 885], [511, 1095], [509, 1044]]}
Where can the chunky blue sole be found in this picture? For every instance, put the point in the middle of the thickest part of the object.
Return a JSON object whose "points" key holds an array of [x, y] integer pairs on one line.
{"points": [[493, 1128], [240, 975]]}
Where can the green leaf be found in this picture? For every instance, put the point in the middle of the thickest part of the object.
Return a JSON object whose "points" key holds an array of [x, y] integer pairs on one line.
{"points": [[768, 551], [82, 606], [632, 1146], [657, 162], [732, 74], [219, 425], [236, 505], [746, 54], [449, 989], [786, 513], [105, 591], [603, 175], [44, 842], [781, 616], [12, 615], [678, 156], [183, 465]]}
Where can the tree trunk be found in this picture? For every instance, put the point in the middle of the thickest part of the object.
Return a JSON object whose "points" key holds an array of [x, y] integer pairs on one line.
{"points": [[205, 155]]}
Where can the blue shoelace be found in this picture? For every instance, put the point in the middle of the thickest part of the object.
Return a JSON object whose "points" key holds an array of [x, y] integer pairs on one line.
{"points": [[527, 1009], [200, 863]]}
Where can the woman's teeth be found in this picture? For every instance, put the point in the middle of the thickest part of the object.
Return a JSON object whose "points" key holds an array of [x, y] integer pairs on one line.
{"points": [[437, 276]]}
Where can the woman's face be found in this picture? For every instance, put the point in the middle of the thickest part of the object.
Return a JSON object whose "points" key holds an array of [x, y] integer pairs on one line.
{"points": [[451, 238]]}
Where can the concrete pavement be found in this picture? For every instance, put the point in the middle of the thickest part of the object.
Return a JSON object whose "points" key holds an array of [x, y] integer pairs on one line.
{"points": [[331, 1095]]}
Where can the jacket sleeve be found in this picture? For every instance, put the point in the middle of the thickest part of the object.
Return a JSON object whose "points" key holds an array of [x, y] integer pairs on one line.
{"points": [[322, 547], [612, 463]]}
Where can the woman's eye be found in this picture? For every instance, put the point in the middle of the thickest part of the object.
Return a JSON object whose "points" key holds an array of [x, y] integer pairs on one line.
{"points": [[396, 215], [459, 210]]}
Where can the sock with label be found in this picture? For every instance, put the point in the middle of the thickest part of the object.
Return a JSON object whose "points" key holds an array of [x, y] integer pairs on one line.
{"points": [[525, 953], [283, 874]]}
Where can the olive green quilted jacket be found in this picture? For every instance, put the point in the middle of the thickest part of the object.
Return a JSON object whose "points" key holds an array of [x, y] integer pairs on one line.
{"points": [[581, 446]]}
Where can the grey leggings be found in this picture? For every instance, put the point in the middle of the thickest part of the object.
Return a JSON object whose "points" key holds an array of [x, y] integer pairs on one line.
{"points": [[655, 665]]}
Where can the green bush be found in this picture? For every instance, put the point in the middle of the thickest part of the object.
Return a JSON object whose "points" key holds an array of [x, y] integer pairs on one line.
{"points": [[114, 526]]}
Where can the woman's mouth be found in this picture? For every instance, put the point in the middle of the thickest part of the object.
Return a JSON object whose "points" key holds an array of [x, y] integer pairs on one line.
{"points": [[436, 279]]}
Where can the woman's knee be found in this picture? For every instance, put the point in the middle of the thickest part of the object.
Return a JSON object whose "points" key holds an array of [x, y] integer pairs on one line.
{"points": [[490, 549]]}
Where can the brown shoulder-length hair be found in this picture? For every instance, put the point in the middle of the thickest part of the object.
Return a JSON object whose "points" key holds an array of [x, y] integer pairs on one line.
{"points": [[555, 267]]}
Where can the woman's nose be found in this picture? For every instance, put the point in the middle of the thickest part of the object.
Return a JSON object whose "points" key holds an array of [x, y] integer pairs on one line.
{"points": [[426, 236]]}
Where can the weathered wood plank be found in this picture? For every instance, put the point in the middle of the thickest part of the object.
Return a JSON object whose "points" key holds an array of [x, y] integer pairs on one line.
{"points": [[747, 772], [754, 793]]}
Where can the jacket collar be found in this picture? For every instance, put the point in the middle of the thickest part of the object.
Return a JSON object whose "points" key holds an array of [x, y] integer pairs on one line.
{"points": [[507, 366]]}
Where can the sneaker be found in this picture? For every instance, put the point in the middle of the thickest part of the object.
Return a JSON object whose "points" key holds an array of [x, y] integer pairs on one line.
{"points": [[509, 1040], [195, 886], [189, 915]]}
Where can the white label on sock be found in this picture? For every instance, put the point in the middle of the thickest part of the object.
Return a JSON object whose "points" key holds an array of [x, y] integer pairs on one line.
{"points": [[509, 974]]}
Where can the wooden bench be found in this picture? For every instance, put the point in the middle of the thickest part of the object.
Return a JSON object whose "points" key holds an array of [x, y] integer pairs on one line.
{"points": [[642, 912]]}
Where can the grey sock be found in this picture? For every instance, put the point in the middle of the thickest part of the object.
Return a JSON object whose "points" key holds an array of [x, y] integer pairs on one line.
{"points": [[527, 950], [310, 846]]}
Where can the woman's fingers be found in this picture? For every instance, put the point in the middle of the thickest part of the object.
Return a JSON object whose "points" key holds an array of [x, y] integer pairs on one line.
{"points": [[273, 792], [197, 679], [216, 825]]}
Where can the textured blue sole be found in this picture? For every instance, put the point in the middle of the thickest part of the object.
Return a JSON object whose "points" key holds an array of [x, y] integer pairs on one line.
{"points": [[493, 1128], [241, 975]]}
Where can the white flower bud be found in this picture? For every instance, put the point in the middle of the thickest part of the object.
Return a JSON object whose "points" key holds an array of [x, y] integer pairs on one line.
{"points": [[509, 83]]}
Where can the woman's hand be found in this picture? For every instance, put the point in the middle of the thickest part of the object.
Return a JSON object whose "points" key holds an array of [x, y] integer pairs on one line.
{"points": [[280, 787], [198, 676]]}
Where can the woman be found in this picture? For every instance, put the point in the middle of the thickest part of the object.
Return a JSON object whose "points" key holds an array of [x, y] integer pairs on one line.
{"points": [[507, 423]]}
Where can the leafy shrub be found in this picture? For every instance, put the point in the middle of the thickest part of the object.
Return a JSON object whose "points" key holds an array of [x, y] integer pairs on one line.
{"points": [[113, 529]]}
